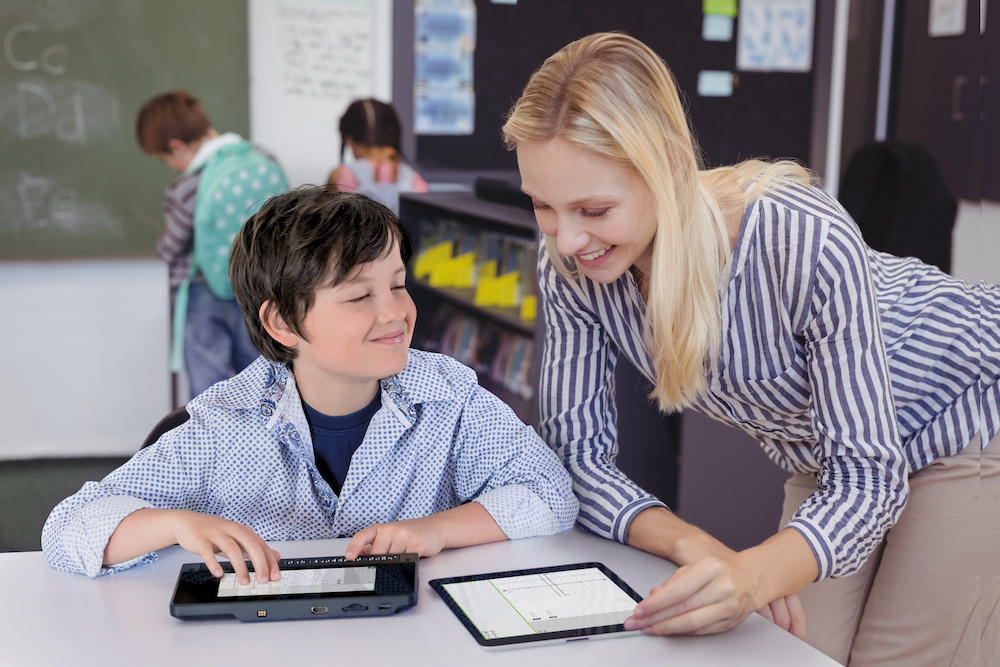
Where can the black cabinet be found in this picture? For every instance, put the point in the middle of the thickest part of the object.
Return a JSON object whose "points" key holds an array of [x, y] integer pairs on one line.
{"points": [[946, 97]]}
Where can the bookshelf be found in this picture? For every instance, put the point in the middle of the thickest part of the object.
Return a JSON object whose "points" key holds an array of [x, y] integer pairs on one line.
{"points": [[501, 344]]}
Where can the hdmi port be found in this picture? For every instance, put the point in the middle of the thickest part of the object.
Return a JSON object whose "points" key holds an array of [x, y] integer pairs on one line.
{"points": [[318, 610]]}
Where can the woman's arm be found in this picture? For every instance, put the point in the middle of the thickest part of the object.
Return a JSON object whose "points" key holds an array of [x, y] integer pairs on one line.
{"points": [[577, 404]]}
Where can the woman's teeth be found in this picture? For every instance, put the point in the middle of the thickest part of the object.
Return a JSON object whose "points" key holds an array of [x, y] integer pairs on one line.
{"points": [[595, 255]]}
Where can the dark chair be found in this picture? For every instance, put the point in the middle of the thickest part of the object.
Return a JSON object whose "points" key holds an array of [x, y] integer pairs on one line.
{"points": [[896, 194], [171, 421]]}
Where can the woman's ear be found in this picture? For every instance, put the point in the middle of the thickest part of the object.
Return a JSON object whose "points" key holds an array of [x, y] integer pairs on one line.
{"points": [[275, 325]]}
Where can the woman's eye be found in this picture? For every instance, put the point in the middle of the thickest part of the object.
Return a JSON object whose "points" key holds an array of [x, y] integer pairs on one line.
{"points": [[600, 213], [539, 207]]}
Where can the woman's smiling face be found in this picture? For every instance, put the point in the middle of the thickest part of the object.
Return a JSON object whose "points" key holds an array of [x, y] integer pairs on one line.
{"points": [[598, 211]]}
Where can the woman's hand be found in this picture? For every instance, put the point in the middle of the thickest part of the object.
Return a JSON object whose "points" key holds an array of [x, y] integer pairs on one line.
{"points": [[787, 614], [711, 595], [717, 588]]}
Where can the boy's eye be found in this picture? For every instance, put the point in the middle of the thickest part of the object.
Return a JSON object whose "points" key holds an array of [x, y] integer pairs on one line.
{"points": [[403, 286], [600, 213], [359, 299]]}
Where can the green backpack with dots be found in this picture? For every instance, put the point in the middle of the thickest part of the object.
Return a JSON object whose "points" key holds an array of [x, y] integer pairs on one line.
{"points": [[234, 184]]}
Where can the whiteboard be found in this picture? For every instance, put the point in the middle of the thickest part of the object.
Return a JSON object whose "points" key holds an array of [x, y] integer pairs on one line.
{"points": [[309, 59]]}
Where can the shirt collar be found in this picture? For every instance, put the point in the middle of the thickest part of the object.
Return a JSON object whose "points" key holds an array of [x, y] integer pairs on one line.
{"points": [[210, 148], [421, 381]]}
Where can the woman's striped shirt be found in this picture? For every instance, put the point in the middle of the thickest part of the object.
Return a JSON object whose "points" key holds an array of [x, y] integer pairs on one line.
{"points": [[853, 364]]}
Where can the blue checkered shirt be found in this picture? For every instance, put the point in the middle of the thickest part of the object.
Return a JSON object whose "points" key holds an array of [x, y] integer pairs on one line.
{"points": [[439, 440]]}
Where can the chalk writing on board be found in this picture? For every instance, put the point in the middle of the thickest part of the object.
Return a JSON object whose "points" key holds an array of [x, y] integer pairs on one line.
{"points": [[326, 51], [32, 203], [45, 100], [74, 112], [50, 59]]}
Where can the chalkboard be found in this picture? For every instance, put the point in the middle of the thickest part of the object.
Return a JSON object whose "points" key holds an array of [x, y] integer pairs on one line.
{"points": [[74, 73], [769, 114]]}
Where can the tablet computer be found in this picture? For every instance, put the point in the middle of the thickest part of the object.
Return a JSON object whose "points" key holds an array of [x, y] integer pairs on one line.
{"points": [[328, 587], [565, 603]]}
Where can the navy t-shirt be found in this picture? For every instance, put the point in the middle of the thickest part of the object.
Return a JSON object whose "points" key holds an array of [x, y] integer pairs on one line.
{"points": [[335, 439]]}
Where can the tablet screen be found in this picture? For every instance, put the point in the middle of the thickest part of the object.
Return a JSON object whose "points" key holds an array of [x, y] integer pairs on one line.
{"points": [[531, 604], [295, 582]]}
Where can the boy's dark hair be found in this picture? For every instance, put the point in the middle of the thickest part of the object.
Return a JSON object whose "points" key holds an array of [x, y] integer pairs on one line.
{"points": [[174, 115], [369, 123], [302, 240]]}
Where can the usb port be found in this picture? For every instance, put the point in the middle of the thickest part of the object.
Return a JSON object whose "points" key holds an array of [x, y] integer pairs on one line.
{"points": [[318, 610], [384, 607]]}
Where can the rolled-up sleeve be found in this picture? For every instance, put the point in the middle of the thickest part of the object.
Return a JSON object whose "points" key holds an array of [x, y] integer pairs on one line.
{"points": [[503, 464], [862, 483], [164, 475]]}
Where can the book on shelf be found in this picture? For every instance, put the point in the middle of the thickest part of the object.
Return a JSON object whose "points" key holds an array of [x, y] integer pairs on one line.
{"points": [[503, 356], [500, 267]]}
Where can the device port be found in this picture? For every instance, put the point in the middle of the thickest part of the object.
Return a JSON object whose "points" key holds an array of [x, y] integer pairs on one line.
{"points": [[318, 610], [384, 607]]}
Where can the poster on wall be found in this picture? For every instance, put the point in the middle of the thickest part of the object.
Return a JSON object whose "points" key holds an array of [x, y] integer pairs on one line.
{"points": [[444, 100], [775, 35], [309, 59]]}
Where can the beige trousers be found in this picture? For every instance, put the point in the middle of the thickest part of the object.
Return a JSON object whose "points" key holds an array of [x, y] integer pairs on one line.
{"points": [[929, 594]]}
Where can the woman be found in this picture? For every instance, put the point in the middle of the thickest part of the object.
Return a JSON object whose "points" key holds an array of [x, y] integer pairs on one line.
{"points": [[371, 130], [747, 293]]}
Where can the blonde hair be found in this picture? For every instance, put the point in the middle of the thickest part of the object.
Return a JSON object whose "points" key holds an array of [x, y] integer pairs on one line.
{"points": [[611, 94]]}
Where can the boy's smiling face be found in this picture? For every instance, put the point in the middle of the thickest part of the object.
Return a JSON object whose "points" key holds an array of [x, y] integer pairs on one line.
{"points": [[356, 333]]}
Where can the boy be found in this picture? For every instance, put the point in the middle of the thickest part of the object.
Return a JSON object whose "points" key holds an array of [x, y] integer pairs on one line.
{"points": [[339, 429], [174, 128]]}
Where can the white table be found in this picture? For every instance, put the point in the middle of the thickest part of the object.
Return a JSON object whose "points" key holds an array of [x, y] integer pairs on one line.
{"points": [[55, 618]]}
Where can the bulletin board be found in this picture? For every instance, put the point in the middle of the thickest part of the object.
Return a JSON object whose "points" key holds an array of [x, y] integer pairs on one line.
{"points": [[768, 115]]}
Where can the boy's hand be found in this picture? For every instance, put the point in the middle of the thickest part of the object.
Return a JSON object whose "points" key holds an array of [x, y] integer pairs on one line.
{"points": [[207, 535], [420, 536], [460, 526]]}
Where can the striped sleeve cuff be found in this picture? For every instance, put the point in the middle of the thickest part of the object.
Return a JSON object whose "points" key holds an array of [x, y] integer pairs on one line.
{"points": [[818, 542]]}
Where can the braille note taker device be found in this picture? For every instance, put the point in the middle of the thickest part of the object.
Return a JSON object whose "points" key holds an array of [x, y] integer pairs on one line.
{"points": [[566, 603], [332, 587]]}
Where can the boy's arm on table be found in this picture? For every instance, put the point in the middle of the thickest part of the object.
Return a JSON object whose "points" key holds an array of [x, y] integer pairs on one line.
{"points": [[501, 463], [94, 531], [150, 529], [461, 526], [510, 483]]}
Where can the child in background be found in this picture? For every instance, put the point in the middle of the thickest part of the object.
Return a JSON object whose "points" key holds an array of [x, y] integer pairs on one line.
{"points": [[339, 429], [371, 129], [175, 129]]}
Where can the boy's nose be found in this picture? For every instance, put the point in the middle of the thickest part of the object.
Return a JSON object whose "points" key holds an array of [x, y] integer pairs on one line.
{"points": [[391, 310]]}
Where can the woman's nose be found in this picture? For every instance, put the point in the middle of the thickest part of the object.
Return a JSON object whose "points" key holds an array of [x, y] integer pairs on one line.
{"points": [[570, 237]]}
